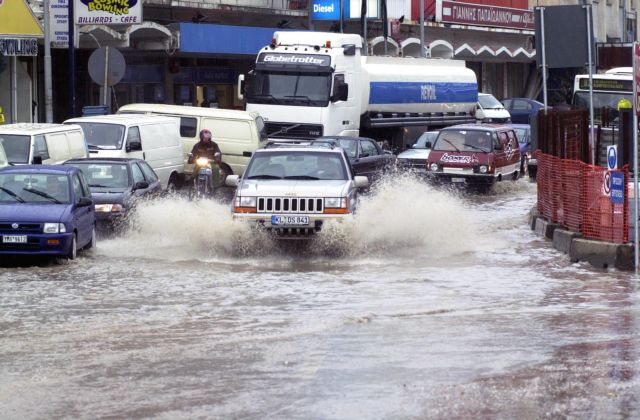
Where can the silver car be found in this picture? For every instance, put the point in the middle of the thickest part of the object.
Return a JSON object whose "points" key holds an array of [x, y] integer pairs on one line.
{"points": [[292, 191], [415, 158]]}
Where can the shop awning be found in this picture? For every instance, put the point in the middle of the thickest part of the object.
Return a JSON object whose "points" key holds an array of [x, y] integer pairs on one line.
{"points": [[223, 39], [17, 20]]}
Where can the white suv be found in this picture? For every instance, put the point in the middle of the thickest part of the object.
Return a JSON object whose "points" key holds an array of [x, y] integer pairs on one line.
{"points": [[292, 190]]}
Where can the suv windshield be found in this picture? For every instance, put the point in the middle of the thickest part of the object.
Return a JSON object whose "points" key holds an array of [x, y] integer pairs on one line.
{"points": [[103, 135], [300, 165], [489, 102], [464, 141], [34, 188], [16, 147]]}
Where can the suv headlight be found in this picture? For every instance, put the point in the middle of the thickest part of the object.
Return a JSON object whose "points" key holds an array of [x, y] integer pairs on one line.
{"points": [[335, 202], [242, 201], [54, 228]]}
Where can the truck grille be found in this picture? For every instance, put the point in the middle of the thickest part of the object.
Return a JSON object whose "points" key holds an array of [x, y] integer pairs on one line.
{"points": [[299, 205], [293, 130]]}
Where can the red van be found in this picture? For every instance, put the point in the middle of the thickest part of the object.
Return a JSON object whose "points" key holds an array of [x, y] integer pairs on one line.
{"points": [[474, 154]]}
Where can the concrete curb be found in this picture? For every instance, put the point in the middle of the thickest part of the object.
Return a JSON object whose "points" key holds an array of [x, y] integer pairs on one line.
{"points": [[599, 254]]}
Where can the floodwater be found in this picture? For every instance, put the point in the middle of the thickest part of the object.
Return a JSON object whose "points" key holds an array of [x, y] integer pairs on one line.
{"points": [[429, 305]]}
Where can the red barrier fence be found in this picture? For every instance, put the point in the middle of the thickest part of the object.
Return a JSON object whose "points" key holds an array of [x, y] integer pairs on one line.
{"points": [[576, 195]]}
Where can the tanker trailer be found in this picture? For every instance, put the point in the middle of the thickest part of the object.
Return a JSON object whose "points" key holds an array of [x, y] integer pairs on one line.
{"points": [[309, 84]]}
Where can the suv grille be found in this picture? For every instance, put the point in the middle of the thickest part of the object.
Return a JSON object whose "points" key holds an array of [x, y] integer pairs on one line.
{"points": [[290, 204], [292, 130]]}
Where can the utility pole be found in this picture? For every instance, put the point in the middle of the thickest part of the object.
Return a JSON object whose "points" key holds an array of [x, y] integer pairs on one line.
{"points": [[48, 90]]}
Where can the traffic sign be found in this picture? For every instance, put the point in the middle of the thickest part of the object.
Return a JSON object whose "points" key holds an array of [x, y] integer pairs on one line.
{"points": [[612, 157], [617, 187], [116, 66], [606, 183]]}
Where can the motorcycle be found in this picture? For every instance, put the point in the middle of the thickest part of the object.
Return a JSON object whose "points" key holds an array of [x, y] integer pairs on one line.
{"points": [[206, 173]]}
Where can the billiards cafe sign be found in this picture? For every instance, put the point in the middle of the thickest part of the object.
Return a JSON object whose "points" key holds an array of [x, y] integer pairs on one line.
{"points": [[18, 46]]}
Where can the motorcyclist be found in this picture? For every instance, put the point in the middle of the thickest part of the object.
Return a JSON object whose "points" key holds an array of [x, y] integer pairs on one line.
{"points": [[206, 147]]}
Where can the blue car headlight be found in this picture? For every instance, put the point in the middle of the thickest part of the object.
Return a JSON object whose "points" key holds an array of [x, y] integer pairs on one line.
{"points": [[54, 228]]}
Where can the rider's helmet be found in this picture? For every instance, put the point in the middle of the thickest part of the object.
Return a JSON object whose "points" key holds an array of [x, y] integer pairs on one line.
{"points": [[205, 134]]}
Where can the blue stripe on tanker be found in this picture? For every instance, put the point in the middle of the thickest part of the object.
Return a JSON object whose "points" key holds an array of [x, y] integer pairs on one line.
{"points": [[425, 92]]}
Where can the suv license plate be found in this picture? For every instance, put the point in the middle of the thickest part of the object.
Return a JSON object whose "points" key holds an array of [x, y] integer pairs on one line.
{"points": [[14, 239], [457, 180], [289, 220]]}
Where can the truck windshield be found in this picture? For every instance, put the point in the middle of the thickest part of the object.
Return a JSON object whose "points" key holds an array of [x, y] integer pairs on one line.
{"points": [[301, 89], [103, 136], [16, 147]]}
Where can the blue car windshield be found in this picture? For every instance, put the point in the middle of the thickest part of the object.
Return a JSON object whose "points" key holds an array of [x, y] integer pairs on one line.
{"points": [[34, 188], [16, 147]]}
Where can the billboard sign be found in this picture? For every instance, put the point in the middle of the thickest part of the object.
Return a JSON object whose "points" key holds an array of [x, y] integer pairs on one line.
{"points": [[101, 12], [482, 15], [325, 10]]}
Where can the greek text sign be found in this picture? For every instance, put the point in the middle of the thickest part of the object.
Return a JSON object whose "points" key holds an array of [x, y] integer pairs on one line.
{"points": [[108, 12], [480, 15], [617, 188], [59, 23]]}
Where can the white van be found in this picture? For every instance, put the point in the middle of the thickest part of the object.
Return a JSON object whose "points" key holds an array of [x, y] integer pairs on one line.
{"points": [[489, 109], [238, 133], [152, 138], [50, 143]]}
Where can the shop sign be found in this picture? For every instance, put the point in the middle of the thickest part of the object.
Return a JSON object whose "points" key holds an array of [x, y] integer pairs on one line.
{"points": [[108, 12], [19, 46], [481, 15]]}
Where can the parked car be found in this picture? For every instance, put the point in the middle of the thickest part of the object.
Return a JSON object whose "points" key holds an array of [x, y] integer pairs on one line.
{"points": [[153, 138], [490, 110], [367, 157], [293, 191], [523, 133], [415, 158], [45, 210], [522, 109], [117, 184], [27, 143], [474, 154]]}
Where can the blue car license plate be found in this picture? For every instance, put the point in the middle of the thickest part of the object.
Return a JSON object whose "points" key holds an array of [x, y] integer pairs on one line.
{"points": [[14, 239], [289, 220]]}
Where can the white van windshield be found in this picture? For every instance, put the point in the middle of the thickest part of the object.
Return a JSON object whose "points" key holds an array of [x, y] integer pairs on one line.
{"points": [[103, 136], [489, 102], [16, 147]]}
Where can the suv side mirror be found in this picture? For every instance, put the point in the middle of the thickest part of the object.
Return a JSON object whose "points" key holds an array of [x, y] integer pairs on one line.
{"points": [[232, 180]]}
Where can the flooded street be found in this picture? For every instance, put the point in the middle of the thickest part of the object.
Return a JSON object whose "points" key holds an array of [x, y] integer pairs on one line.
{"points": [[429, 305]]}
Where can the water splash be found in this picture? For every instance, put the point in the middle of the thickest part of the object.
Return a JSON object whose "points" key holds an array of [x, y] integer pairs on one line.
{"points": [[402, 216]]}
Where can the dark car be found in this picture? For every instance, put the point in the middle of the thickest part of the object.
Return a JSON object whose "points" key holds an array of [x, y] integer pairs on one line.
{"points": [[116, 185], [521, 109], [367, 157], [45, 210], [523, 132]]}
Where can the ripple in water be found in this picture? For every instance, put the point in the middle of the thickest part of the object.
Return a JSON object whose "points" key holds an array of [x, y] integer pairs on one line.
{"points": [[400, 216]]}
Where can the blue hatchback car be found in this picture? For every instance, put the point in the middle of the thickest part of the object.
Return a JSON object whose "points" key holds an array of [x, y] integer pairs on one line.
{"points": [[45, 210]]}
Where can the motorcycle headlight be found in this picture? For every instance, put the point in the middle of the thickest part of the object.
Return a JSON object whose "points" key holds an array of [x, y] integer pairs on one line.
{"points": [[109, 208], [483, 169], [54, 228], [202, 161], [433, 167], [335, 202], [246, 201]]}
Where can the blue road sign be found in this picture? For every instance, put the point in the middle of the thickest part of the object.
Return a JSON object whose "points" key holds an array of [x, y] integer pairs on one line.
{"points": [[612, 157], [617, 187]]}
